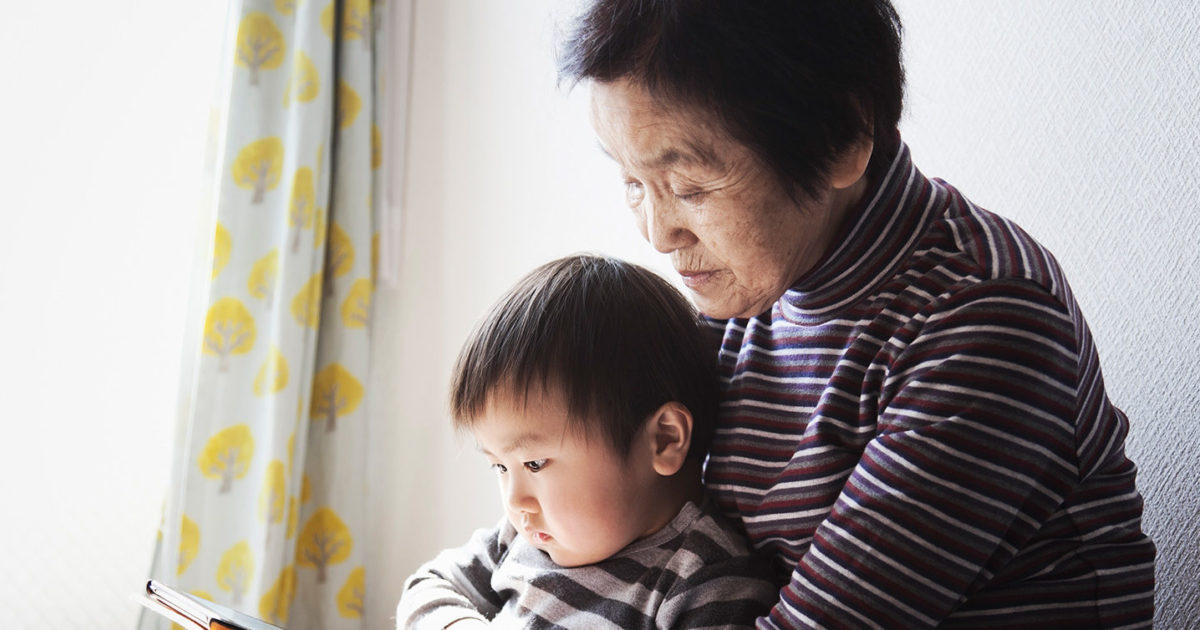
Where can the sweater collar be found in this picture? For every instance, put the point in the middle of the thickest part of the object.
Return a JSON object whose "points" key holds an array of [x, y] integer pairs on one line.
{"points": [[877, 237]]}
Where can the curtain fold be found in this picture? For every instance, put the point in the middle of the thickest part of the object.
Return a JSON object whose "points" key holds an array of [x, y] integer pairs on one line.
{"points": [[267, 507]]}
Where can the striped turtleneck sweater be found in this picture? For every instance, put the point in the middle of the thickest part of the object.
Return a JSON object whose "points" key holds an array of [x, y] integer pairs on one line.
{"points": [[918, 433]]}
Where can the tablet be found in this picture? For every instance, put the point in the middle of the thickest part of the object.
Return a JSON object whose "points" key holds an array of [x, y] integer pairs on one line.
{"points": [[197, 613]]}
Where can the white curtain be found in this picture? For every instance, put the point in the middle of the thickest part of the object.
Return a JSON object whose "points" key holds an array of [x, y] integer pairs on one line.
{"points": [[267, 509]]}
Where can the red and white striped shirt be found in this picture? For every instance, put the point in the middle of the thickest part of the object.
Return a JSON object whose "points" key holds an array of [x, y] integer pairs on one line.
{"points": [[918, 433]]}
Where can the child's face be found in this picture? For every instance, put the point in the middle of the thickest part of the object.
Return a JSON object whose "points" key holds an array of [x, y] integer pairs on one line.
{"points": [[568, 495]]}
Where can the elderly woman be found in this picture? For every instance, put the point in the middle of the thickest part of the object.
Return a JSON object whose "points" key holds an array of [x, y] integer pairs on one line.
{"points": [[915, 426]]}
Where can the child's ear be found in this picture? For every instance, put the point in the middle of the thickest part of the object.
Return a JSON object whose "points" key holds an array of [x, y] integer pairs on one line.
{"points": [[670, 434]]}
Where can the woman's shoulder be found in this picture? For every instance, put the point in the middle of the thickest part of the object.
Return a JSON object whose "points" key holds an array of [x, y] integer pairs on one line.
{"points": [[989, 245]]}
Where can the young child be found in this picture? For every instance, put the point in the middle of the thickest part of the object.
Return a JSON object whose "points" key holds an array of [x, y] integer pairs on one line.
{"points": [[591, 390]]}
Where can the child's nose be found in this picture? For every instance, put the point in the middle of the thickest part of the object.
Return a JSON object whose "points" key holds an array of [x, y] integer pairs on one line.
{"points": [[519, 498]]}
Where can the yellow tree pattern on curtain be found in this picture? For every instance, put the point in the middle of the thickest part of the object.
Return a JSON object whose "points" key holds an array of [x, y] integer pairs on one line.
{"points": [[227, 455], [273, 375], [263, 276], [236, 570], [349, 104], [304, 83], [356, 309], [228, 330], [340, 259], [325, 540], [258, 166], [306, 305], [336, 393], [272, 497], [260, 45], [301, 205], [356, 20], [277, 601], [189, 544], [350, 597], [222, 248]]}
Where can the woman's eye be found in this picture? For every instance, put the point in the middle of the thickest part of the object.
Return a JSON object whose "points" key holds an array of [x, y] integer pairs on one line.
{"points": [[691, 198], [634, 193], [536, 465], [499, 469]]}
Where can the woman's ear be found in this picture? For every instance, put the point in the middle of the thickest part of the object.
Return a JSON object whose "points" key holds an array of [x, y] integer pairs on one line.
{"points": [[850, 167], [670, 433]]}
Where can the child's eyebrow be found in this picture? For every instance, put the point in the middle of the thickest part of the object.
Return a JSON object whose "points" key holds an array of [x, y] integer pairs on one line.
{"points": [[523, 440]]}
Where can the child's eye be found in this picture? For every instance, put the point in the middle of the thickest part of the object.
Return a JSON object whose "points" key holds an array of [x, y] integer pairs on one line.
{"points": [[536, 465], [499, 469]]}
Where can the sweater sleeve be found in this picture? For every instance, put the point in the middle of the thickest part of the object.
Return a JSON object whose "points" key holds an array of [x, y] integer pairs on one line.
{"points": [[456, 584], [974, 451], [727, 594]]}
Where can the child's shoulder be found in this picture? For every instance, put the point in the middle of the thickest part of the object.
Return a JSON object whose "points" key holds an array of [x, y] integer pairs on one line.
{"points": [[712, 553], [698, 537], [710, 534]]}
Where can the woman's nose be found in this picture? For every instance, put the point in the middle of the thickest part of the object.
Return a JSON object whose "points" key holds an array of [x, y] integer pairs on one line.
{"points": [[663, 224]]}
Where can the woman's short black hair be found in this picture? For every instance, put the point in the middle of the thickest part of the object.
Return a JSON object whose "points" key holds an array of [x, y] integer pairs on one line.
{"points": [[796, 81], [615, 339]]}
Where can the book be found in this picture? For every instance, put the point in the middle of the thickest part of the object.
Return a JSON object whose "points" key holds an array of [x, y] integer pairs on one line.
{"points": [[196, 613]]}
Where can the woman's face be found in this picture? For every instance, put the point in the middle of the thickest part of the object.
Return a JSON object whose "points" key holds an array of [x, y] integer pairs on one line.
{"points": [[734, 234]]}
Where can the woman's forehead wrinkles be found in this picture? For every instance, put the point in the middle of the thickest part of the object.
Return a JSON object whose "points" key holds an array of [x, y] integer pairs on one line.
{"points": [[658, 147], [691, 152]]}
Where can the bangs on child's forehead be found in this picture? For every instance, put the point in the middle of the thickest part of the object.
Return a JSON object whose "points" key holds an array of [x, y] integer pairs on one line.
{"points": [[538, 398]]}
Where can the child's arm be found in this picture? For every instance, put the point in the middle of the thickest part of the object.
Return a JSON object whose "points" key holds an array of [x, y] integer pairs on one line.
{"points": [[455, 588]]}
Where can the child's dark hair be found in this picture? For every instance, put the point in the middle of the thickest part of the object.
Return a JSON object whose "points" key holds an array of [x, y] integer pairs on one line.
{"points": [[615, 339]]}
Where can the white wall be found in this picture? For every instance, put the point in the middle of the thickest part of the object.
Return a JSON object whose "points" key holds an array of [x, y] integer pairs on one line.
{"points": [[102, 124], [1079, 120]]}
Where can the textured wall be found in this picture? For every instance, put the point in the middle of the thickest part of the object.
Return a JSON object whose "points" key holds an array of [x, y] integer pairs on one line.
{"points": [[1081, 121]]}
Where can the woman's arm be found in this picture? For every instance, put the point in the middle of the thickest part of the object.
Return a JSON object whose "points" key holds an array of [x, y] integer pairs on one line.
{"points": [[976, 451]]}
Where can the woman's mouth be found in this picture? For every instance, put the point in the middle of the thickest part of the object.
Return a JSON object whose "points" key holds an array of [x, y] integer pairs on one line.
{"points": [[694, 280]]}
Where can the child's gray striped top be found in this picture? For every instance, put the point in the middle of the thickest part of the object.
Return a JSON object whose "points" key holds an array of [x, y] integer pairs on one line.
{"points": [[694, 573]]}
